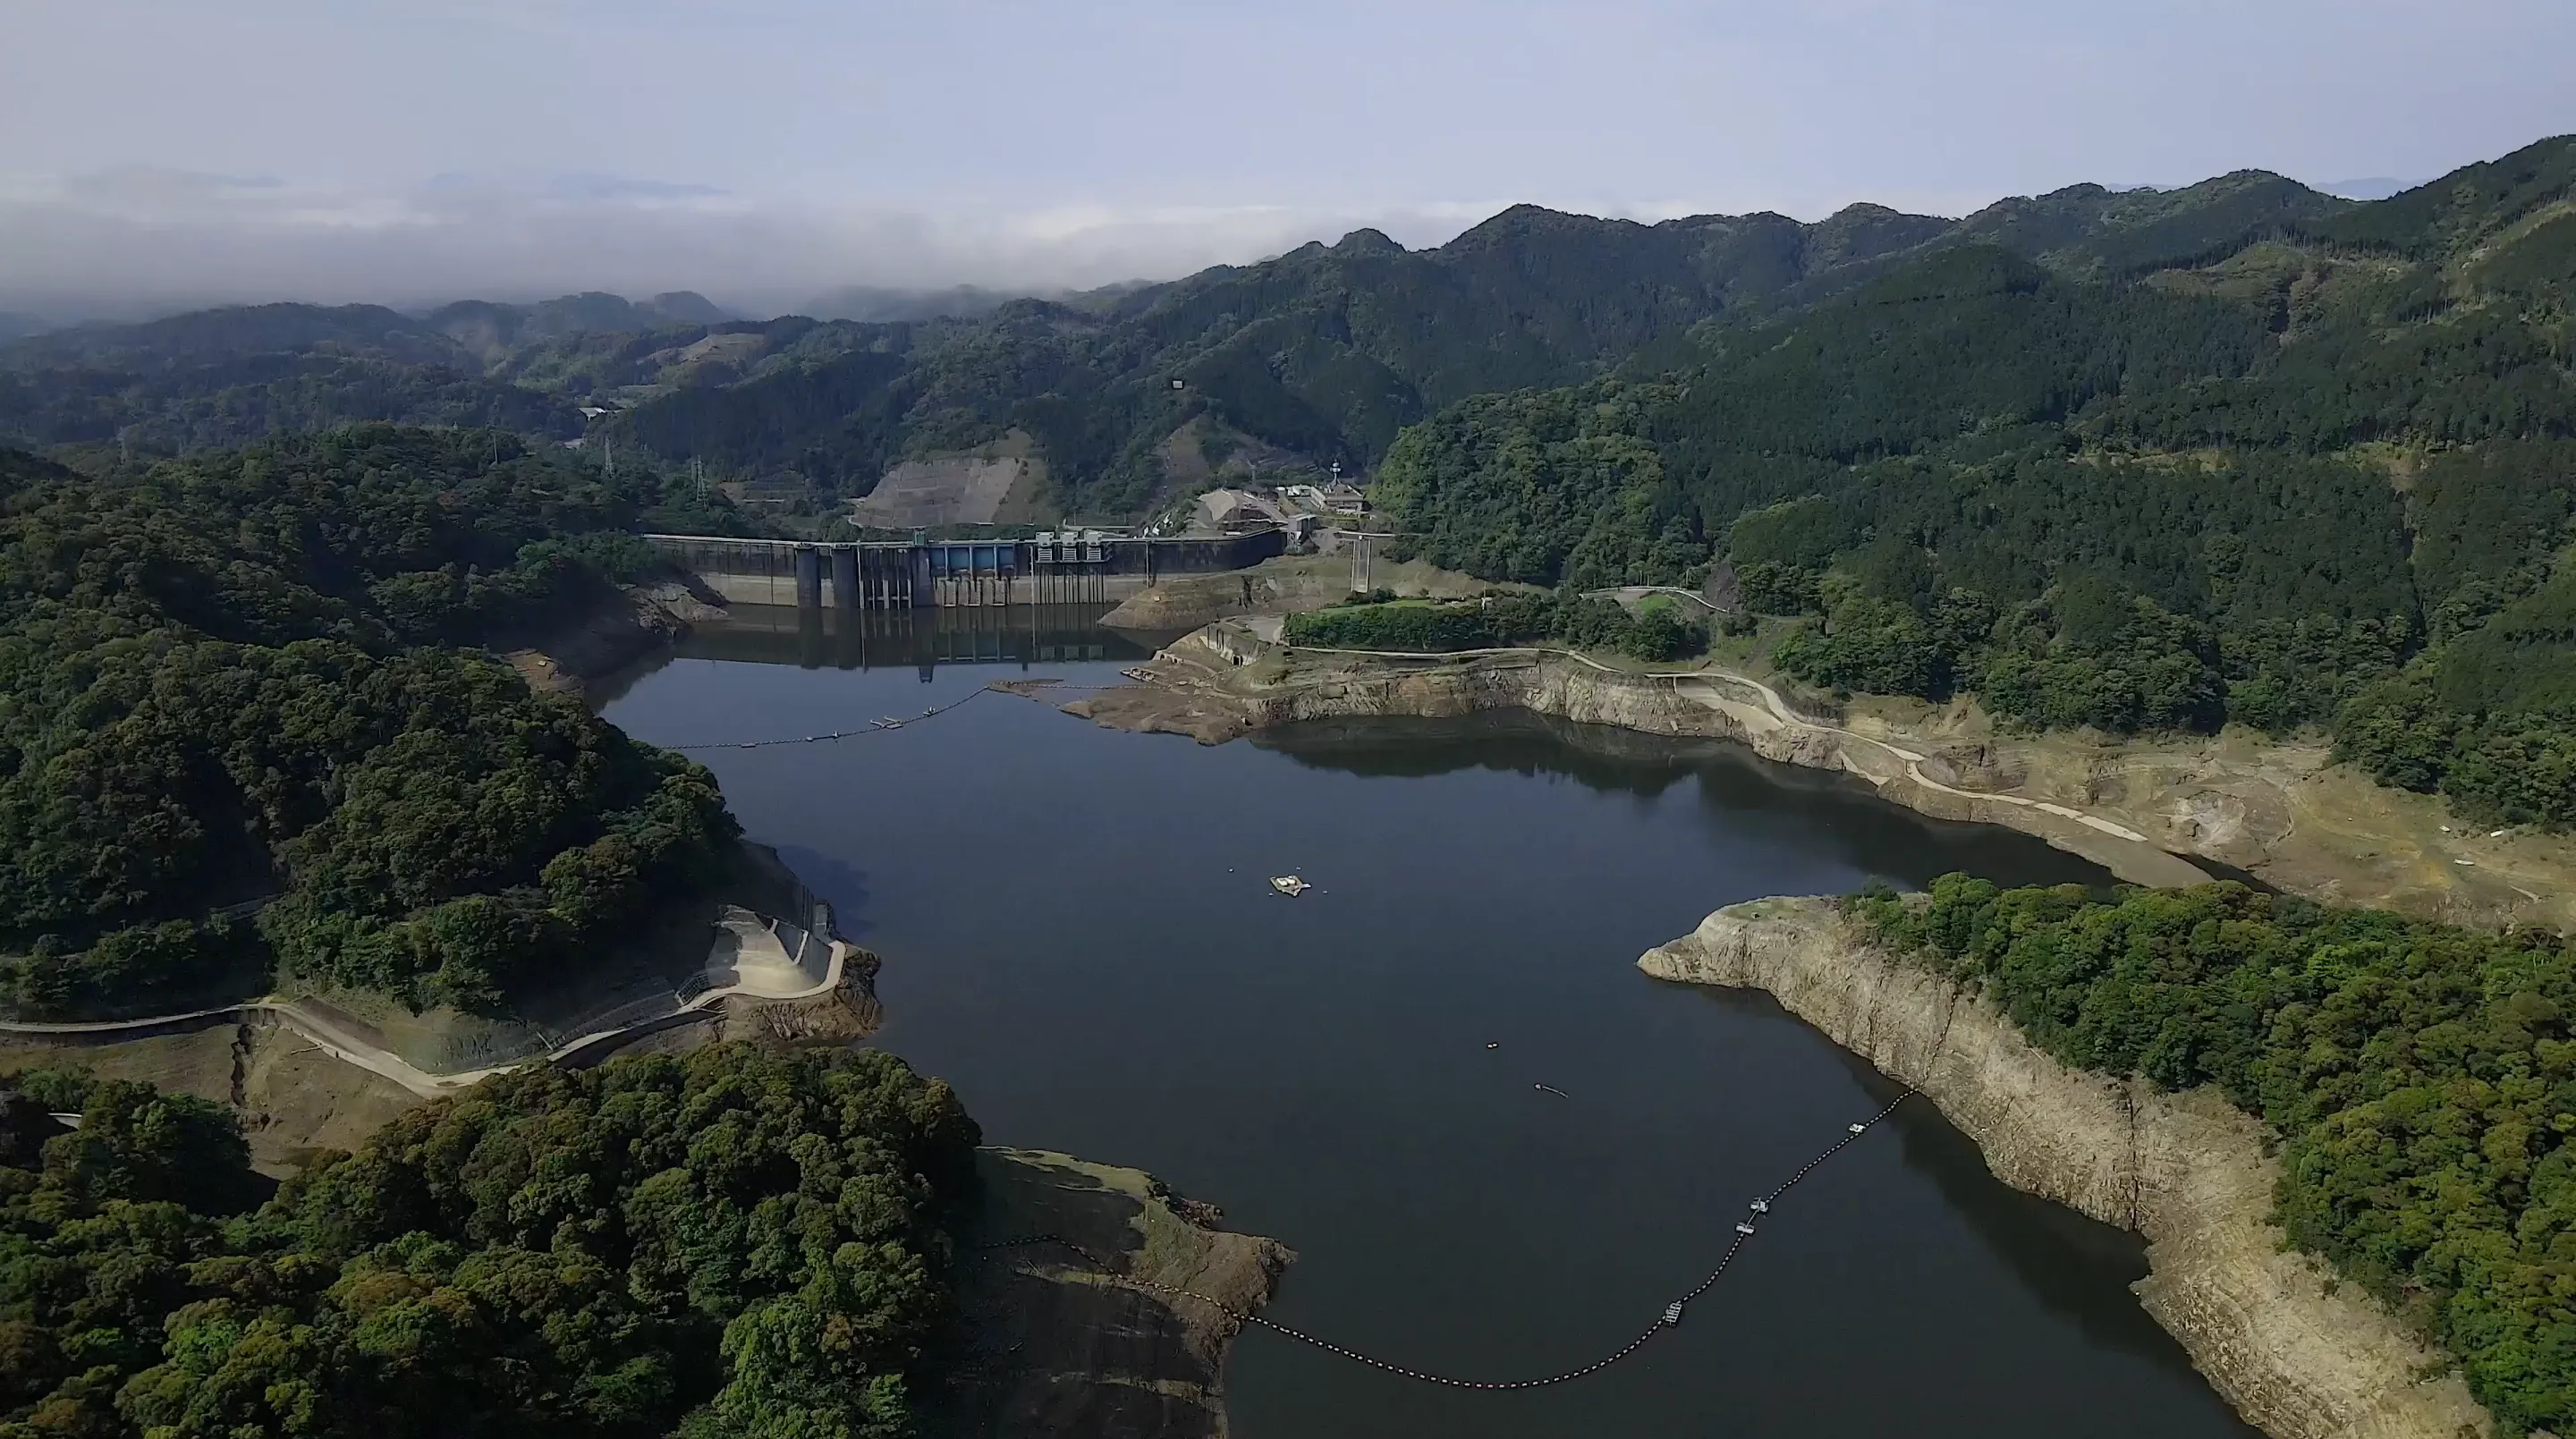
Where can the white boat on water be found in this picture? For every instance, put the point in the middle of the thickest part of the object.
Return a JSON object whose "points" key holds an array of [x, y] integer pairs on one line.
{"points": [[1289, 884]]}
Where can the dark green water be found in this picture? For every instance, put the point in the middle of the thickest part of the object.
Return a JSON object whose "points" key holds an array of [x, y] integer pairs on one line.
{"points": [[1078, 934]]}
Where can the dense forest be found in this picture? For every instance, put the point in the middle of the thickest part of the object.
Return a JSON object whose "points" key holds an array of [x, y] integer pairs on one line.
{"points": [[1326, 352], [2422, 1079], [727, 1244], [1657, 631], [240, 677], [2321, 478]]}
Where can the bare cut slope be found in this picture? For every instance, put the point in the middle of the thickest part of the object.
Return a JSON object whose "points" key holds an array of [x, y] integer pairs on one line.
{"points": [[966, 490]]}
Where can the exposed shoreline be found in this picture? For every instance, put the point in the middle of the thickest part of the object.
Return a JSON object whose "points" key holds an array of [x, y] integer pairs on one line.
{"points": [[638, 621], [2299, 1355], [1063, 1348], [1224, 682], [2162, 811], [2154, 812]]}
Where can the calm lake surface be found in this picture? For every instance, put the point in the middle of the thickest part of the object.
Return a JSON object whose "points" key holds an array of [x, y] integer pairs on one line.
{"points": [[1079, 935]]}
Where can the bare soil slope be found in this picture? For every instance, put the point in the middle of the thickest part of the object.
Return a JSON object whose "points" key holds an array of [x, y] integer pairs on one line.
{"points": [[1062, 1348]]}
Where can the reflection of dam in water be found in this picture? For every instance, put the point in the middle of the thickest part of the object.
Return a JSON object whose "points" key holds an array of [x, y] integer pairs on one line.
{"points": [[922, 639]]}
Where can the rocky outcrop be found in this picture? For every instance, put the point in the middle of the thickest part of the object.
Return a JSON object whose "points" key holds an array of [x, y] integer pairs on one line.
{"points": [[1099, 1342], [618, 632], [2299, 1355]]}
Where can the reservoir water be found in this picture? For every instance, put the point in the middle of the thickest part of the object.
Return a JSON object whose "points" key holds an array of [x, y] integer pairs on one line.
{"points": [[1078, 934]]}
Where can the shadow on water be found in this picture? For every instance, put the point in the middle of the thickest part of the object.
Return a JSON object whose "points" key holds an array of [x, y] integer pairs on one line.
{"points": [[921, 640], [1801, 807], [2063, 1259], [1505, 742], [837, 883], [1021, 636]]}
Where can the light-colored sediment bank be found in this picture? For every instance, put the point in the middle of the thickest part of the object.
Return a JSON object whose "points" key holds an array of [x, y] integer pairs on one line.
{"points": [[1228, 680], [2299, 1355], [2143, 809]]}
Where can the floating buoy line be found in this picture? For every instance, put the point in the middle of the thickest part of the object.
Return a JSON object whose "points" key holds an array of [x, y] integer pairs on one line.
{"points": [[890, 722], [1024, 688], [1669, 1318], [1671, 1315]]}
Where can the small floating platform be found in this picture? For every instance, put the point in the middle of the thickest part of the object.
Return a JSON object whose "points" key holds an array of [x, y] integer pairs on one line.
{"points": [[1289, 884]]}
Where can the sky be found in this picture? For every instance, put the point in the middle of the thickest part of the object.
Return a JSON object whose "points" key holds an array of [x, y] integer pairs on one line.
{"points": [[161, 153]]}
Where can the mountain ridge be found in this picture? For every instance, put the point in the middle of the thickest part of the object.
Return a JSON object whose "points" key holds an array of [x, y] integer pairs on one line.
{"points": [[1327, 352]]}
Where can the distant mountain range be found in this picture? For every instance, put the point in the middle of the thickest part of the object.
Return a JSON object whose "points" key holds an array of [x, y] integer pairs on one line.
{"points": [[1326, 352]]}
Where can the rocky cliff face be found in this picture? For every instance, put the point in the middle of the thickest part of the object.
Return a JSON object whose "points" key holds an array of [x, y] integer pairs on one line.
{"points": [[2297, 1354]]}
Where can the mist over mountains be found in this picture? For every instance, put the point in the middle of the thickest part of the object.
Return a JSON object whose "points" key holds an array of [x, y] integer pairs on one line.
{"points": [[142, 242]]}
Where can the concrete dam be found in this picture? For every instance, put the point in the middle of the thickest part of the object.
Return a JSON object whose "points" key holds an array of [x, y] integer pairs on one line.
{"points": [[1073, 567]]}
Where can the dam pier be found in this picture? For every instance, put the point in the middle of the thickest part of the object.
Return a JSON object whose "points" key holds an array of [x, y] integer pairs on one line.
{"points": [[1065, 567]]}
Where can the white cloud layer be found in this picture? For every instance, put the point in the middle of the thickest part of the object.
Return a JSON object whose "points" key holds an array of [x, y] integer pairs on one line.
{"points": [[174, 151], [144, 240]]}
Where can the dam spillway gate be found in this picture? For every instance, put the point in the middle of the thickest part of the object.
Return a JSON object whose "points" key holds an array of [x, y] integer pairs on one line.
{"points": [[1073, 567]]}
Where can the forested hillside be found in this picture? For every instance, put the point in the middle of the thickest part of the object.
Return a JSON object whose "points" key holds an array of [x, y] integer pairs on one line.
{"points": [[2322, 477], [730, 1244], [1325, 353], [219, 378], [232, 678], [2422, 1078], [2133, 459]]}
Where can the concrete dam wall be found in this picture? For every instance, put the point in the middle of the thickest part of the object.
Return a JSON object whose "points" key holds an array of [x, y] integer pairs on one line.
{"points": [[1071, 568]]}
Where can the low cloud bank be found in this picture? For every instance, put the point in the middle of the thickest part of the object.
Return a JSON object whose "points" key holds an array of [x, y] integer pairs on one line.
{"points": [[130, 243]]}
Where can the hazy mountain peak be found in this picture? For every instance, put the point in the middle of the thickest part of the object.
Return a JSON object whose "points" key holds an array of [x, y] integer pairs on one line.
{"points": [[689, 306]]}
